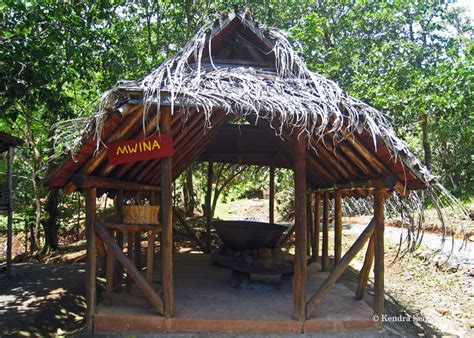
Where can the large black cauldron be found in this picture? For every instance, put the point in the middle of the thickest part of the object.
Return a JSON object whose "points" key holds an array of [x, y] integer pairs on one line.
{"points": [[248, 235]]}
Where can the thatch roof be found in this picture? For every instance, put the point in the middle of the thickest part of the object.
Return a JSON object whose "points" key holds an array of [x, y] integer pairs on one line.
{"points": [[234, 69]]}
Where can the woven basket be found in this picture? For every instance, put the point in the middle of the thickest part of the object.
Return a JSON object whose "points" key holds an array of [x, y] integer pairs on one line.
{"points": [[141, 214]]}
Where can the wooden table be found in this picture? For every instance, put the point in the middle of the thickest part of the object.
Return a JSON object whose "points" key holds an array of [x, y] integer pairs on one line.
{"points": [[132, 229]]}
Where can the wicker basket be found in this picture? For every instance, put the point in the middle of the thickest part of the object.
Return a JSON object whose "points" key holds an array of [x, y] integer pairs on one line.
{"points": [[141, 214]]}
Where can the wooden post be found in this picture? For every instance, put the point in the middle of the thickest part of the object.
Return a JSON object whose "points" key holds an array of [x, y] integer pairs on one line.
{"points": [[208, 206], [310, 226], [271, 202], [379, 196], [10, 209], [150, 255], [109, 268], [137, 247], [300, 272], [325, 254], [128, 286], [91, 194], [365, 270], [317, 227], [337, 226], [119, 234], [167, 223]]}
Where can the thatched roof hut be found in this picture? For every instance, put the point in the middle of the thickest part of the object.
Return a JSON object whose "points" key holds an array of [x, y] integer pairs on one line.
{"points": [[232, 71]]}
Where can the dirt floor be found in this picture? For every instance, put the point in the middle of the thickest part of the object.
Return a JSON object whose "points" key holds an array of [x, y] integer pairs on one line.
{"points": [[425, 293]]}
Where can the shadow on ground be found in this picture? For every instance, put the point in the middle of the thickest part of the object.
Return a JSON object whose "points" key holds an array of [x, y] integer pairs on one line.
{"points": [[42, 299]]}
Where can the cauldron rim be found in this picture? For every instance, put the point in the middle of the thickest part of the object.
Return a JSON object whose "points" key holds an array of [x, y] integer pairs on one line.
{"points": [[241, 235]]}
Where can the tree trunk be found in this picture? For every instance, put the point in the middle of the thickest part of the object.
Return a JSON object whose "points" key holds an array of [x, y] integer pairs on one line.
{"points": [[188, 190], [426, 140], [51, 222]]}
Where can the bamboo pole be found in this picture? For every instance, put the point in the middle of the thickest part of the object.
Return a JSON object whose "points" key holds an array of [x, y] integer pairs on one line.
{"points": [[337, 226], [379, 196], [271, 203], [328, 283], [11, 150], [210, 175], [300, 272], [91, 296], [167, 224], [317, 226], [365, 270], [325, 253]]}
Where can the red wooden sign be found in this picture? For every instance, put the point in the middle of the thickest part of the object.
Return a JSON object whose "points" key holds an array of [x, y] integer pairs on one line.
{"points": [[140, 149]]}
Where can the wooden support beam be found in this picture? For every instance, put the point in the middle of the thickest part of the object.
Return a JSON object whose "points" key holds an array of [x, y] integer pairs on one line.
{"points": [[337, 226], [311, 234], [128, 286], [300, 272], [119, 234], [325, 249], [192, 236], [328, 283], [91, 262], [140, 281], [11, 149], [167, 224], [83, 181], [365, 270], [137, 249], [379, 197], [150, 255], [288, 235], [317, 227], [109, 268], [271, 202], [387, 182], [210, 176]]}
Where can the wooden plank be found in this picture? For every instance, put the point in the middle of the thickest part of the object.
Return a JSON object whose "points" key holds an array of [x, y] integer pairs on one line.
{"points": [[210, 176], [271, 202], [132, 227], [11, 150], [329, 282], [91, 262], [300, 268], [379, 196], [85, 181], [337, 226], [119, 234], [140, 281], [365, 270], [167, 224], [317, 227], [325, 248]]}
